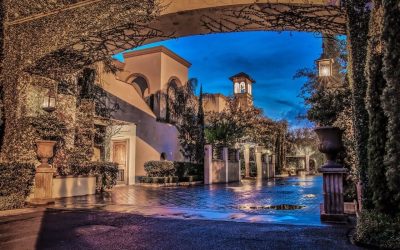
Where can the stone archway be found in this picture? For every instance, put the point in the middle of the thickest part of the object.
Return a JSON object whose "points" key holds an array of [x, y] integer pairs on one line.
{"points": [[47, 41]]}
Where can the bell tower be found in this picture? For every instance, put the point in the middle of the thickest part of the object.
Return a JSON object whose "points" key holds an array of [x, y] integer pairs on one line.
{"points": [[242, 89]]}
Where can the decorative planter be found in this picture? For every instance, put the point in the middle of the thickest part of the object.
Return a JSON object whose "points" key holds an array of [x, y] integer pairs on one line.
{"points": [[330, 139], [45, 151]]}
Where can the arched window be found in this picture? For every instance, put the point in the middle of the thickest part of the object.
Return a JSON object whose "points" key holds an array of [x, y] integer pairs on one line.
{"points": [[141, 85], [171, 95], [237, 88], [242, 87]]}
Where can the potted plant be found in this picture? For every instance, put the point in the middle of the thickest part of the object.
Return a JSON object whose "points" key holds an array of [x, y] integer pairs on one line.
{"points": [[330, 143]]}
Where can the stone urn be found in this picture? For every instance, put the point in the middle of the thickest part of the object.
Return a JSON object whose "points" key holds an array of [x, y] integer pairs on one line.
{"points": [[330, 143], [45, 151]]}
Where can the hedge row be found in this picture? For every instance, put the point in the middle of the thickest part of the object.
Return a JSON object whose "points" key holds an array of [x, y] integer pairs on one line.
{"points": [[169, 168], [107, 173], [16, 181]]}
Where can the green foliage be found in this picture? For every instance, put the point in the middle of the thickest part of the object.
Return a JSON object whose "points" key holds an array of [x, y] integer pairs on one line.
{"points": [[327, 97], [16, 180], [106, 172], [358, 15], [378, 230], [377, 183], [159, 168], [48, 126], [186, 169], [189, 120], [159, 180], [391, 97]]}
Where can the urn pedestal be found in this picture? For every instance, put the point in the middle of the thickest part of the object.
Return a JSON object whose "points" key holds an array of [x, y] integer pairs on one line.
{"points": [[44, 174], [333, 207], [330, 139]]}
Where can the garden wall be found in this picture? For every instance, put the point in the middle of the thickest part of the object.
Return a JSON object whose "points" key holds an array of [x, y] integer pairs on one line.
{"points": [[73, 186]]}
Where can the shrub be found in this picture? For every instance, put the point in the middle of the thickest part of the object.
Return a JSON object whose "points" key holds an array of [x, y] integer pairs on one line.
{"points": [[378, 230], [16, 180], [159, 180], [159, 168], [185, 169], [106, 172]]}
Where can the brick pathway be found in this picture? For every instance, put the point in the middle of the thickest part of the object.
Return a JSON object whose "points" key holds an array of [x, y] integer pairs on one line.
{"points": [[248, 201]]}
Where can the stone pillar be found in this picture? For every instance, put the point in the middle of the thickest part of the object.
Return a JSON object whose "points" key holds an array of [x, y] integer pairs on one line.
{"points": [[226, 162], [246, 154], [259, 163], [333, 207], [207, 164], [240, 167], [268, 166], [43, 193], [307, 162], [273, 164]]}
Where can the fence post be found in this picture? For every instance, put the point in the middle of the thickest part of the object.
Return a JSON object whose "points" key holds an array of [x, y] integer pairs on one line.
{"points": [[259, 162], [240, 167], [268, 166], [208, 153], [273, 165], [226, 163], [246, 154]]}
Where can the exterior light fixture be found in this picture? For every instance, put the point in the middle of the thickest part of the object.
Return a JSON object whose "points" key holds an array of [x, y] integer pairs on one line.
{"points": [[325, 67], [49, 101]]}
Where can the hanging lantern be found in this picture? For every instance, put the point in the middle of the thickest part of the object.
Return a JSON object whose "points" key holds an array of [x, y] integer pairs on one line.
{"points": [[49, 101], [325, 67]]}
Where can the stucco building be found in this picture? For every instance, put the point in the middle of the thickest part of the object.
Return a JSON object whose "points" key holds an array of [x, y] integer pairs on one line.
{"points": [[139, 89]]}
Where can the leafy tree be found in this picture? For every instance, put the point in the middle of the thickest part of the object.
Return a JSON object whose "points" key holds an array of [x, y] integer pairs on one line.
{"points": [[234, 124], [189, 120], [391, 97], [377, 183], [330, 104], [358, 15], [326, 98]]}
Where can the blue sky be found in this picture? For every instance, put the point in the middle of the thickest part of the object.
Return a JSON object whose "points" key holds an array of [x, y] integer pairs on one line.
{"points": [[271, 58]]}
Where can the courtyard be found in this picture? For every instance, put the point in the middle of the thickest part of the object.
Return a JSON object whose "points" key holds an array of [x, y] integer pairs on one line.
{"points": [[249, 201], [228, 216], [235, 124]]}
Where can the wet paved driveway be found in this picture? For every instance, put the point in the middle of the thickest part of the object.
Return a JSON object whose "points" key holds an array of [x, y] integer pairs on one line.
{"points": [[248, 201]]}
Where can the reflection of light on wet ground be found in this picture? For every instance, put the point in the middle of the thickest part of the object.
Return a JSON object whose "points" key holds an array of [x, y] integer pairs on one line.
{"points": [[216, 201]]}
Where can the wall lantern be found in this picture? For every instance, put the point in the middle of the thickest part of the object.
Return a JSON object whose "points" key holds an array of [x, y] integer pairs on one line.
{"points": [[49, 101], [325, 67]]}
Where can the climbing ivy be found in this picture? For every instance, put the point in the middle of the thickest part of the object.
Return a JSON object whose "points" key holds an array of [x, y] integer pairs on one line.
{"points": [[358, 15], [391, 96], [377, 119]]}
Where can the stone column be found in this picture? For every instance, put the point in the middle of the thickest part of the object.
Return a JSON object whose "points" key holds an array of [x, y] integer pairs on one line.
{"points": [[246, 154], [259, 163], [307, 161], [43, 193], [207, 164], [226, 163], [333, 207], [273, 164], [268, 166], [240, 167]]}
